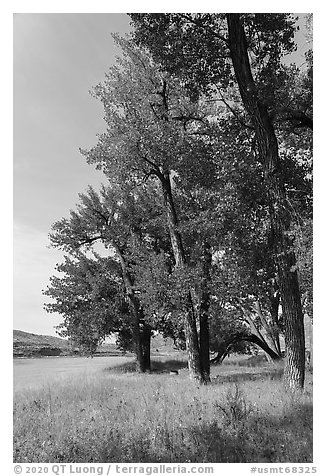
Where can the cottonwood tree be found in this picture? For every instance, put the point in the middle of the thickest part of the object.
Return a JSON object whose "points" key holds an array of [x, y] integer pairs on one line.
{"points": [[244, 278], [88, 294], [211, 53], [147, 138], [224, 201], [113, 218]]}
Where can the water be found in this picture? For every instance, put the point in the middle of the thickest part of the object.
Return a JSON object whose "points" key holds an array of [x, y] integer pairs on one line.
{"points": [[33, 373]]}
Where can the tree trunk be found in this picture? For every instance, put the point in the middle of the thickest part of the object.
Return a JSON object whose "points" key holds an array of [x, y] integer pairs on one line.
{"points": [[175, 237], [138, 348], [146, 336], [271, 335], [204, 313], [270, 351], [274, 310], [135, 311], [254, 339], [192, 343], [279, 213]]}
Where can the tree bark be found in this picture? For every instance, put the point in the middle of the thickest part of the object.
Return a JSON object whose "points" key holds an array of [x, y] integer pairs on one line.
{"points": [[279, 213], [192, 343], [175, 237], [136, 312], [274, 311], [146, 336], [204, 313]]}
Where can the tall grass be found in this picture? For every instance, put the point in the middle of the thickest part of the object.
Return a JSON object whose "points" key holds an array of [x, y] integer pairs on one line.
{"points": [[126, 417]]}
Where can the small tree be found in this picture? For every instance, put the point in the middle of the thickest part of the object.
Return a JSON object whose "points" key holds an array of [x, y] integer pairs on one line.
{"points": [[88, 294], [112, 218]]}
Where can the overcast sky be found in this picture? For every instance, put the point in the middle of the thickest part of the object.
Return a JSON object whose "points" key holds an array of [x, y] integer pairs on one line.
{"points": [[58, 58]]}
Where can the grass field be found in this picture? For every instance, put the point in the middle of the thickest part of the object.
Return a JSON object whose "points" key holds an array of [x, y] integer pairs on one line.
{"points": [[34, 373], [119, 416]]}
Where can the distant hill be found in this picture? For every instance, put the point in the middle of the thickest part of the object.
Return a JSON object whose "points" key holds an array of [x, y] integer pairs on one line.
{"points": [[38, 339], [26, 344]]}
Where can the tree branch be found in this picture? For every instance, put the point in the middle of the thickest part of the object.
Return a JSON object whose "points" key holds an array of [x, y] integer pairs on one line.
{"points": [[155, 169], [200, 25], [300, 117], [247, 126]]}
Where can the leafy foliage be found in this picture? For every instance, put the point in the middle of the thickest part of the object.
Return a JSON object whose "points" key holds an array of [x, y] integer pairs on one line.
{"points": [[179, 142], [195, 46], [88, 294]]}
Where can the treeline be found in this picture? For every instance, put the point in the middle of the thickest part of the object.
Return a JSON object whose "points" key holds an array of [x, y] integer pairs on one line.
{"points": [[206, 212]]}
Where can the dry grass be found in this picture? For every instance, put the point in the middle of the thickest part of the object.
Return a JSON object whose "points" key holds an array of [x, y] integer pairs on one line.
{"points": [[244, 416]]}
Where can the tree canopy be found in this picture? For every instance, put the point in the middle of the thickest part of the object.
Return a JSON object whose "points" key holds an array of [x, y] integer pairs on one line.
{"points": [[207, 209]]}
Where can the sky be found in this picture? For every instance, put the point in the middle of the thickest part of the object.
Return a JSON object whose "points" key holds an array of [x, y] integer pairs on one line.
{"points": [[58, 58]]}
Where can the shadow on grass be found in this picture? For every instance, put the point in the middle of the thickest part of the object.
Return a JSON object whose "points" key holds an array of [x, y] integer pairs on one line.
{"points": [[245, 361], [157, 367], [220, 374], [112, 353], [259, 438], [255, 367], [243, 376]]}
